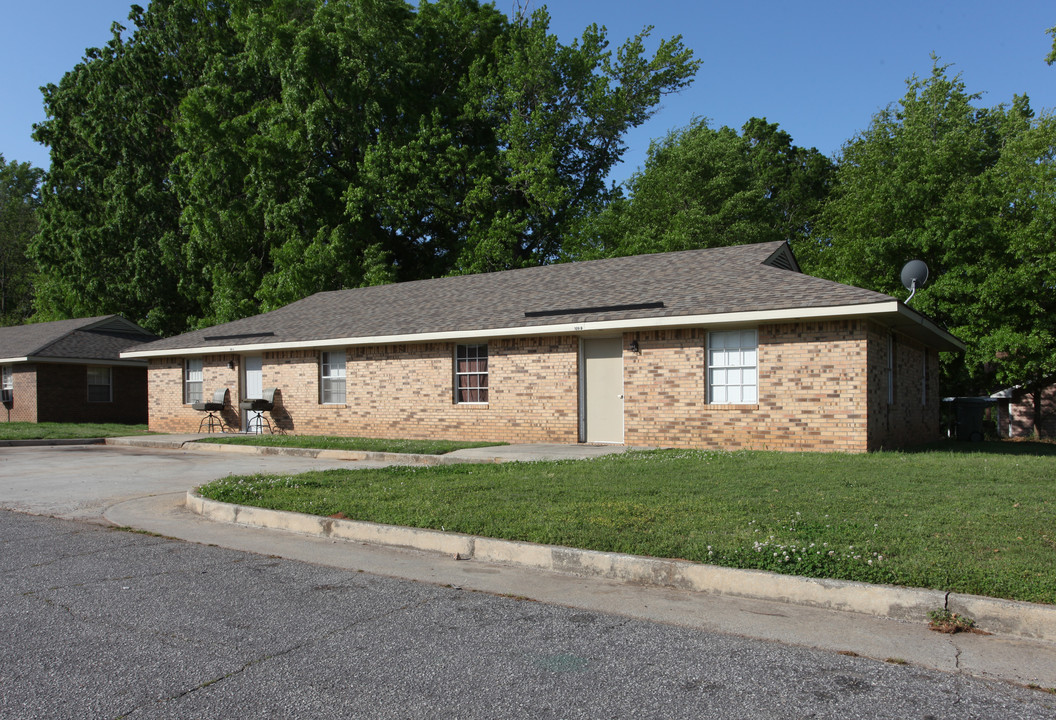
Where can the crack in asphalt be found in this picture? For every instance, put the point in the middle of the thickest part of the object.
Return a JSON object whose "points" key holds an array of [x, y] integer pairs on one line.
{"points": [[282, 653]]}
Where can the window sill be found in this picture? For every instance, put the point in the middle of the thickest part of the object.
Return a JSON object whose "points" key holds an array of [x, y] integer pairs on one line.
{"points": [[732, 406]]}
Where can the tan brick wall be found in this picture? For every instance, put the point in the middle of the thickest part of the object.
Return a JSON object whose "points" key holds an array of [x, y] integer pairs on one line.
{"points": [[168, 412], [814, 382], [403, 390], [811, 388], [23, 406], [911, 417]]}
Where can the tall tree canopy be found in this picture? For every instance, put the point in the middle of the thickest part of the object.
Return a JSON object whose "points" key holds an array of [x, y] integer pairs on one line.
{"points": [[19, 200], [227, 157], [703, 187], [970, 191]]}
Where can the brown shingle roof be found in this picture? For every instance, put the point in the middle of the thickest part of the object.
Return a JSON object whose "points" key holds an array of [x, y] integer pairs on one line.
{"points": [[96, 338], [693, 282]]}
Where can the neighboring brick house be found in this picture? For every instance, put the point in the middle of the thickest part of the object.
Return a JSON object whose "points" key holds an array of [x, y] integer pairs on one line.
{"points": [[71, 371], [726, 347], [1015, 411]]}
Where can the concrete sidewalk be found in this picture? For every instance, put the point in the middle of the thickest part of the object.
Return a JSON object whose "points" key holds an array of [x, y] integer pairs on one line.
{"points": [[885, 623]]}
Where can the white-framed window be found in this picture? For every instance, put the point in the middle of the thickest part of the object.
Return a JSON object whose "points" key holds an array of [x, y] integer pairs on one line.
{"points": [[733, 367], [192, 380], [471, 374], [100, 386], [332, 378], [7, 383]]}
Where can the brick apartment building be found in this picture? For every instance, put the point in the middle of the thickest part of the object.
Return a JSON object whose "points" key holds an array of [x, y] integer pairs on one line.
{"points": [[70, 371], [719, 348]]}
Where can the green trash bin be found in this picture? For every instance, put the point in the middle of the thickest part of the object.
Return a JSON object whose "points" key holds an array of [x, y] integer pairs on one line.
{"points": [[970, 413]]}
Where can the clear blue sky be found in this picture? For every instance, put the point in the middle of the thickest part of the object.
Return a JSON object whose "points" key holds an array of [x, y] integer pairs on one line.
{"points": [[819, 68]]}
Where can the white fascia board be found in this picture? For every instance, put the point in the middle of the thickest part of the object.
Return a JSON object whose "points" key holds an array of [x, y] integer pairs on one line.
{"points": [[74, 361], [650, 323], [916, 317]]}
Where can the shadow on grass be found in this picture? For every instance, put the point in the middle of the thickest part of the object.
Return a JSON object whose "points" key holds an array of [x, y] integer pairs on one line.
{"points": [[989, 447]]}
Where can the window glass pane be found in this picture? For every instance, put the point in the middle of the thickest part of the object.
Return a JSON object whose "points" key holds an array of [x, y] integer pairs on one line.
{"points": [[471, 373], [98, 384], [192, 384], [332, 377], [732, 367]]}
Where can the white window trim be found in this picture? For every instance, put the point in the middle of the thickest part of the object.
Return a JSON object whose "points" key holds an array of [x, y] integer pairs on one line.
{"points": [[486, 374], [741, 366], [7, 382], [332, 373], [188, 382], [109, 384]]}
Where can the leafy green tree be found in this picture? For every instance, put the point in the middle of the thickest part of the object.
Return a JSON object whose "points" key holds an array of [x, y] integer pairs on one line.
{"points": [[19, 200], [967, 189], [1020, 328], [703, 187], [111, 239], [226, 157]]}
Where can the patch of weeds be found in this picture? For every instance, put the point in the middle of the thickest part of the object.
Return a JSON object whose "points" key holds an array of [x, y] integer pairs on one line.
{"points": [[945, 621], [137, 531], [1035, 686], [896, 661]]}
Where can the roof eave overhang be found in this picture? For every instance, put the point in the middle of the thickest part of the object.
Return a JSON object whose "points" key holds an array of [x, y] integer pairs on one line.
{"points": [[916, 325], [892, 310], [73, 361]]}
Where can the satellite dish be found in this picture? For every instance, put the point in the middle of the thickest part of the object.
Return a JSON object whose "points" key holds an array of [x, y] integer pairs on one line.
{"points": [[914, 275]]}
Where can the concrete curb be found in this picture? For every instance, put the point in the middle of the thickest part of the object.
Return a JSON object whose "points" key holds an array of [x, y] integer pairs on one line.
{"points": [[398, 458], [52, 441], [149, 441], [191, 444], [1019, 619]]}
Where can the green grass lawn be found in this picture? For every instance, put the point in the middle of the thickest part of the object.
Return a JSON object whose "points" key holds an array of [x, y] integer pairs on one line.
{"points": [[323, 442], [58, 431], [979, 522]]}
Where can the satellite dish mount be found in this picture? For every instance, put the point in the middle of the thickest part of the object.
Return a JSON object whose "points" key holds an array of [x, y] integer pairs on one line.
{"points": [[914, 275]]}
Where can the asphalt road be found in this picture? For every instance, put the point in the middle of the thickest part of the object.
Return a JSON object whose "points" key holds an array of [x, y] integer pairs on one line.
{"points": [[103, 623]]}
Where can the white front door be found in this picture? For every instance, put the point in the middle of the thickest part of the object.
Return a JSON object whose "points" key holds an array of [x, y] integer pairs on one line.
{"points": [[254, 380], [603, 394]]}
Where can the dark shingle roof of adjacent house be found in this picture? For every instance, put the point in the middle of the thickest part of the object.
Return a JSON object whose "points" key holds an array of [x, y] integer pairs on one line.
{"points": [[713, 281], [96, 338]]}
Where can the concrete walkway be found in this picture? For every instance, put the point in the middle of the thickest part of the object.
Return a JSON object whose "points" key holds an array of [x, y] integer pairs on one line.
{"points": [[489, 454], [746, 603]]}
